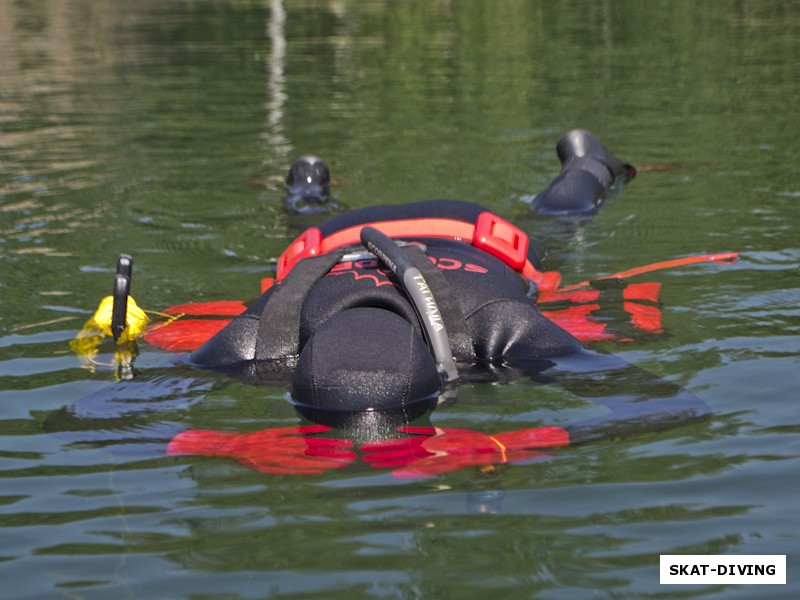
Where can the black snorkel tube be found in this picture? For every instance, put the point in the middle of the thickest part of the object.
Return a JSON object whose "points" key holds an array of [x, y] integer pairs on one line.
{"points": [[420, 295]]}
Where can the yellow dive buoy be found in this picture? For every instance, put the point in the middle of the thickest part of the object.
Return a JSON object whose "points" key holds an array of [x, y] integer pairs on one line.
{"points": [[117, 316]]}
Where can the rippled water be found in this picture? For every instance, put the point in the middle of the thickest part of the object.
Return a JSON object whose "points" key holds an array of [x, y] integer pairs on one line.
{"points": [[159, 129]]}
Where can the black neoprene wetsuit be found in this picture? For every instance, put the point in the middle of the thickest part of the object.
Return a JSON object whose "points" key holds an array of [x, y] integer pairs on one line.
{"points": [[508, 337], [503, 322]]}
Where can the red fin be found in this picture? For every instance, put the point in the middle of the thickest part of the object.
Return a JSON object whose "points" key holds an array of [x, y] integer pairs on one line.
{"points": [[218, 307], [183, 335]]}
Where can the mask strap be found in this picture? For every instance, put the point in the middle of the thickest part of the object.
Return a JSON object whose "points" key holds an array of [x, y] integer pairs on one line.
{"points": [[279, 325]]}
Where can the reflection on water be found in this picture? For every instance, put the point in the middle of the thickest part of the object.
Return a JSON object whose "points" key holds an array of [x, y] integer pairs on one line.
{"points": [[49, 50], [140, 127]]}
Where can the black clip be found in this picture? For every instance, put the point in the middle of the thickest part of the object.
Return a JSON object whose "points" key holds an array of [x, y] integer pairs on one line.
{"points": [[122, 287]]}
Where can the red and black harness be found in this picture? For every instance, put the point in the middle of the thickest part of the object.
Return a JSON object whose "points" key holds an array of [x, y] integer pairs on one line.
{"points": [[591, 310]]}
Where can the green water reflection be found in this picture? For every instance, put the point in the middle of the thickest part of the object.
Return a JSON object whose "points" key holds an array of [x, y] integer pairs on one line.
{"points": [[159, 129]]}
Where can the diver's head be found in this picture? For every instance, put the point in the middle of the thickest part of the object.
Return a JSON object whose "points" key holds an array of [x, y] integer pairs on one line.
{"points": [[308, 185], [362, 360]]}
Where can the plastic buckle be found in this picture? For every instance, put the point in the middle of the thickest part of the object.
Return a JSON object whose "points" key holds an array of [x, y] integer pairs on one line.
{"points": [[501, 239], [308, 243]]}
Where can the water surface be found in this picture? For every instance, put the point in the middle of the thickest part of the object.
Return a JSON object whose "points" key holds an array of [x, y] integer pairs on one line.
{"points": [[158, 129]]}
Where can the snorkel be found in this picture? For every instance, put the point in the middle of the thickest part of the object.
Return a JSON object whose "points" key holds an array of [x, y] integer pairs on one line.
{"points": [[419, 293]]}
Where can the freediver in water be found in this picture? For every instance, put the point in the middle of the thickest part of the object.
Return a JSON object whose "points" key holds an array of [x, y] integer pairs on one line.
{"points": [[380, 313]]}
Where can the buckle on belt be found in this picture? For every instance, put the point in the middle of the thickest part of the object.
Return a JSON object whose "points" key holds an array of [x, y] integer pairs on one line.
{"points": [[501, 239], [308, 243]]}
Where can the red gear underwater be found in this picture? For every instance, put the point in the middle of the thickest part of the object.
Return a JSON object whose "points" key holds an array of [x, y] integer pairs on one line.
{"points": [[382, 311]]}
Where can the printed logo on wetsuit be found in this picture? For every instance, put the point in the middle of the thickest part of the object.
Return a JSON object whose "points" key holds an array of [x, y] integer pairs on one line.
{"points": [[381, 276]]}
